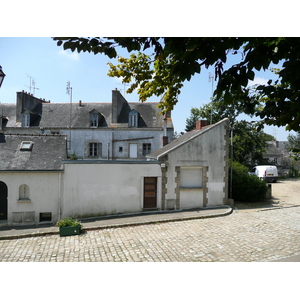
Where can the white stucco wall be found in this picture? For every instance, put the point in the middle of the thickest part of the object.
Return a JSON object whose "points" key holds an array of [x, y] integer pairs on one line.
{"points": [[207, 150], [44, 195], [106, 188], [80, 138]]}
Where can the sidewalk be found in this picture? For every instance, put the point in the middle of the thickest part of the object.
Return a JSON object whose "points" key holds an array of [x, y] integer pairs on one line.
{"points": [[118, 221]]}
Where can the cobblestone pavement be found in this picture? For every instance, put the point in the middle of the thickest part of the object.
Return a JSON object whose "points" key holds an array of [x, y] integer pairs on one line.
{"points": [[258, 235]]}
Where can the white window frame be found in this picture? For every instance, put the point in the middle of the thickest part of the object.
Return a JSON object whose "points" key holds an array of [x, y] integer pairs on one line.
{"points": [[26, 146], [94, 119], [133, 119], [26, 116]]}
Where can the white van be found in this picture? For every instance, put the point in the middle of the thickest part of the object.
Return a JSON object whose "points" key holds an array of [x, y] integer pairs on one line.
{"points": [[266, 173]]}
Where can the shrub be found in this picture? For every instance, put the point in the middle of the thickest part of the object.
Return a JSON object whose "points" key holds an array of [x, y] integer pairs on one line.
{"points": [[245, 187], [68, 222]]}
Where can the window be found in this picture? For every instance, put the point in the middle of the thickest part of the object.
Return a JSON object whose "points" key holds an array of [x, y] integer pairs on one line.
{"points": [[26, 146], [133, 119], [94, 119], [120, 149], [93, 151], [146, 149], [24, 192], [45, 217], [26, 119]]}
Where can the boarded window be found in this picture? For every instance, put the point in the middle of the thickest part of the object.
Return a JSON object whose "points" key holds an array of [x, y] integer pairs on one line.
{"points": [[191, 177]]}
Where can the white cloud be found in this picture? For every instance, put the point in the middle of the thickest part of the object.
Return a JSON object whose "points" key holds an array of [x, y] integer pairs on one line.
{"points": [[70, 55], [259, 81]]}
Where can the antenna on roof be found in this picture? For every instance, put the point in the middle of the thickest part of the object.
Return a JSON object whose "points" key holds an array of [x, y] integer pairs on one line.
{"points": [[124, 87], [34, 88], [69, 92], [211, 79], [31, 84]]}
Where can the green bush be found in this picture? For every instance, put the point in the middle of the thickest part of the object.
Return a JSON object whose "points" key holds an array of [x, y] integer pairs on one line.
{"points": [[245, 187]]}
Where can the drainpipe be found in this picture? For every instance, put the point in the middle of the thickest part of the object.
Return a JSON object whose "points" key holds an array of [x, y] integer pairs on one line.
{"points": [[59, 196], [165, 137]]}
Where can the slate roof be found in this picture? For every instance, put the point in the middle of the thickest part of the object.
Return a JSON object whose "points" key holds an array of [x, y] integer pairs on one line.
{"points": [[9, 111], [181, 141], [57, 115], [46, 154]]}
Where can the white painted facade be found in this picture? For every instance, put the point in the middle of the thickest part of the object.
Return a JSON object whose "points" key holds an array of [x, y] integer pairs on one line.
{"points": [[191, 172], [93, 189], [42, 196], [199, 158]]}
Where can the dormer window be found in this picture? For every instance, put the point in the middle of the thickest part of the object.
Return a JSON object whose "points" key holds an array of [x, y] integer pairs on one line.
{"points": [[26, 119], [94, 118], [133, 119], [3, 122]]}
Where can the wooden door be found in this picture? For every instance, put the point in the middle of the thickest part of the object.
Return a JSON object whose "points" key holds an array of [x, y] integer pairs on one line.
{"points": [[3, 201], [150, 192]]}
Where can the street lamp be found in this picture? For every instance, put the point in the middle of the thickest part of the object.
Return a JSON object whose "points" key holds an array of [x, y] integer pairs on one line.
{"points": [[2, 75]]}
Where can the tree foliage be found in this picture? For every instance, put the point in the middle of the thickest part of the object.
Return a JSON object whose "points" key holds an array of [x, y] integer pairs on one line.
{"points": [[249, 143], [178, 59], [213, 112], [245, 187]]}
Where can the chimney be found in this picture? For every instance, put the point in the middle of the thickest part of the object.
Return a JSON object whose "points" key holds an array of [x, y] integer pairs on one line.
{"points": [[200, 124], [164, 140], [80, 103]]}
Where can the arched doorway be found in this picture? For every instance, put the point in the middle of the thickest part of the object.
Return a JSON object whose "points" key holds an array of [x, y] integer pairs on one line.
{"points": [[3, 201]]}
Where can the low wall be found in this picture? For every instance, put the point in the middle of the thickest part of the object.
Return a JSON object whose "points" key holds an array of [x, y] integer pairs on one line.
{"points": [[105, 188]]}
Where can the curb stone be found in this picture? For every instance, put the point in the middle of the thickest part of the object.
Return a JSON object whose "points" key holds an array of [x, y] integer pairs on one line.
{"points": [[120, 225]]}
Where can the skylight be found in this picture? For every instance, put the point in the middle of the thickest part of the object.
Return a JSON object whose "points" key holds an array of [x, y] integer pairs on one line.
{"points": [[27, 146]]}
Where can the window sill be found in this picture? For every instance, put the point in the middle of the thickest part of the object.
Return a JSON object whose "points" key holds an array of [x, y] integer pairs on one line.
{"points": [[191, 188], [24, 201]]}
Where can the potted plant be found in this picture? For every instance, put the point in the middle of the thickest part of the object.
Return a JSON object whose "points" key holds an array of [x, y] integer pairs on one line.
{"points": [[68, 226]]}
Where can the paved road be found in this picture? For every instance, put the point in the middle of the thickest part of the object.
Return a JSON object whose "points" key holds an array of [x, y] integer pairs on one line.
{"points": [[268, 232]]}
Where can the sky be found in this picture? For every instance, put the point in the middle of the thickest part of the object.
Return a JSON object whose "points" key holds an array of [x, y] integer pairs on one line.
{"points": [[38, 66]]}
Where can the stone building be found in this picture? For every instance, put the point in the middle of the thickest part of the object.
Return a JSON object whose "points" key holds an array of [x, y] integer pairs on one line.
{"points": [[100, 131]]}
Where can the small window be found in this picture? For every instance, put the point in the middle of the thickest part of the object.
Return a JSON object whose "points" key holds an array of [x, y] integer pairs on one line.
{"points": [[26, 146], [120, 149], [45, 217], [24, 192], [146, 149]]}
